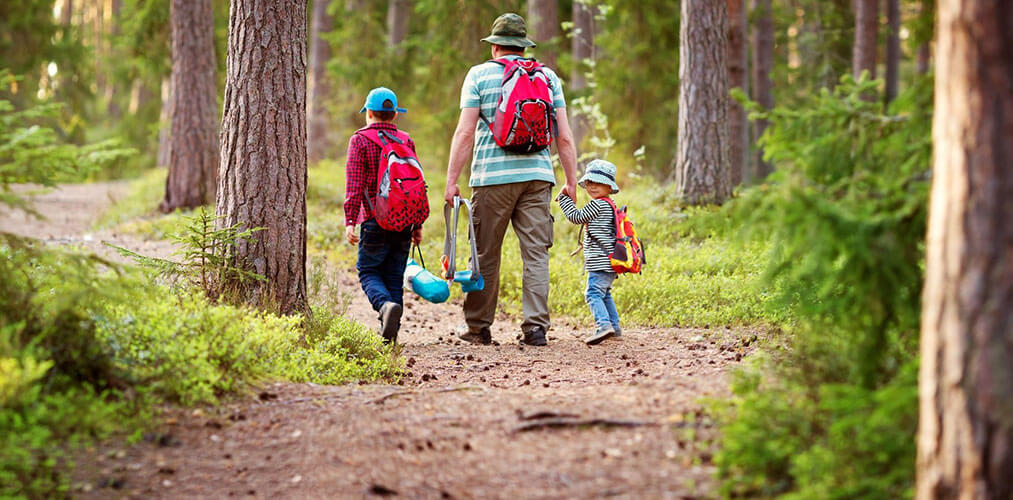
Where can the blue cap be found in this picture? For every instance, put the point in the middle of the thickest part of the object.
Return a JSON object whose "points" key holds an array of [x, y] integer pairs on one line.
{"points": [[374, 101]]}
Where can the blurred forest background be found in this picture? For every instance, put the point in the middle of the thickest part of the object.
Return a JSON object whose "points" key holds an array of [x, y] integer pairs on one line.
{"points": [[821, 243]]}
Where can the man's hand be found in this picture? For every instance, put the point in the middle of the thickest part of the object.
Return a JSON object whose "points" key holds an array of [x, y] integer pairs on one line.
{"points": [[451, 192], [350, 235], [417, 235], [562, 193], [569, 190]]}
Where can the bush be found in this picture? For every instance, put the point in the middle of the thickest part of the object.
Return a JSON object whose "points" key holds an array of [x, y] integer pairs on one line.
{"points": [[834, 416]]}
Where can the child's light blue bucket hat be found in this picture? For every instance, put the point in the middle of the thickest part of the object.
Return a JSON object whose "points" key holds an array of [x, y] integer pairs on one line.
{"points": [[602, 172]]}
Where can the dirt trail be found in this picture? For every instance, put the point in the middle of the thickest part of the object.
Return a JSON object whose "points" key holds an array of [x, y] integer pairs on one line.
{"points": [[621, 419]]}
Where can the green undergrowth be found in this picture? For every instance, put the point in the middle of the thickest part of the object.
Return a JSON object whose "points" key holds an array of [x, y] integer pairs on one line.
{"points": [[86, 349], [831, 412]]}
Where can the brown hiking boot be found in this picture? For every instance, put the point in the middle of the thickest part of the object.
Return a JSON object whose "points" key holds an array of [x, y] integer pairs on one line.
{"points": [[483, 336]]}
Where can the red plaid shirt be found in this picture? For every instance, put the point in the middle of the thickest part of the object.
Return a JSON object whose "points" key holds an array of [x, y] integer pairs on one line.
{"points": [[360, 174]]}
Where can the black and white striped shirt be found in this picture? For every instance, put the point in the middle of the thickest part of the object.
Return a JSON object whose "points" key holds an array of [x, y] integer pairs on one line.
{"points": [[600, 237]]}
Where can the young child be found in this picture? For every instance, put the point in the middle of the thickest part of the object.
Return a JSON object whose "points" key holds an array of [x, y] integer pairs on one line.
{"points": [[383, 254], [600, 181]]}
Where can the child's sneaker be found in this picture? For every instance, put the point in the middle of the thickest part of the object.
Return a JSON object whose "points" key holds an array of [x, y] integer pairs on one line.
{"points": [[390, 321], [600, 335], [619, 334]]}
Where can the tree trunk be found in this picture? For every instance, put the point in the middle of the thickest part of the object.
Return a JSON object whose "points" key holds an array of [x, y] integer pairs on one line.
{"points": [[543, 28], [965, 435], [397, 23], [193, 152], [164, 124], [924, 58], [738, 126], [892, 48], [319, 133], [262, 174], [866, 35], [66, 11], [763, 63], [582, 48], [702, 161], [112, 89]]}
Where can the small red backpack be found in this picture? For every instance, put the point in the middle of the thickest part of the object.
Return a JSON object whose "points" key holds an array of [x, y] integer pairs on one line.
{"points": [[525, 120], [400, 200], [628, 254]]}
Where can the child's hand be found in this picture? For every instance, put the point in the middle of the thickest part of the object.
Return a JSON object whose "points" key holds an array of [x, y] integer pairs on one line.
{"points": [[562, 192], [350, 235]]}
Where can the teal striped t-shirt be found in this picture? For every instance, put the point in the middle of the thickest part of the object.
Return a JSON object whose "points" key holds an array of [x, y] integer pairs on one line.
{"points": [[491, 164]]}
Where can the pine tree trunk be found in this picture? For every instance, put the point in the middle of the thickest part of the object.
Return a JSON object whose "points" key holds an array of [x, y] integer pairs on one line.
{"points": [[892, 48], [397, 22], [66, 11], [702, 161], [582, 49], [543, 28], [112, 89], [924, 58], [763, 63], [738, 126], [165, 124], [319, 136], [866, 36], [193, 153], [965, 435], [262, 174]]}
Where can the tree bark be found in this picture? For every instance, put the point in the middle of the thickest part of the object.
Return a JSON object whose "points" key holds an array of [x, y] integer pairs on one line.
{"points": [[262, 174], [965, 435], [193, 153], [543, 28], [892, 48], [866, 36], [738, 126], [582, 48], [112, 89], [702, 161], [319, 140], [397, 23], [763, 63]]}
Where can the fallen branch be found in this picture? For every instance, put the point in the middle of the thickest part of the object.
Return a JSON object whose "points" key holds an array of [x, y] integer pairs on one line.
{"points": [[558, 423]]}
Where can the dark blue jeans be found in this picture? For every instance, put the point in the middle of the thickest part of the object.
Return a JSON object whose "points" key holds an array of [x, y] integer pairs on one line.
{"points": [[382, 258]]}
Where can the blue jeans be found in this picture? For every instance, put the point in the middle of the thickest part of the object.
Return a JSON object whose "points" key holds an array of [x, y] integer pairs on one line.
{"points": [[599, 299], [382, 258]]}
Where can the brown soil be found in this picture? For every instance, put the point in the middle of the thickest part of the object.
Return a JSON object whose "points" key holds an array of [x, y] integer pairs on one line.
{"points": [[622, 419]]}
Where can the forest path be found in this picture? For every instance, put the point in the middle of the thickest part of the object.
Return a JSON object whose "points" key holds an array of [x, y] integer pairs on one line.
{"points": [[622, 419]]}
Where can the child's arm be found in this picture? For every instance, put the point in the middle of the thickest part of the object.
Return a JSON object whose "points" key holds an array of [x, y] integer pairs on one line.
{"points": [[582, 216], [355, 186]]}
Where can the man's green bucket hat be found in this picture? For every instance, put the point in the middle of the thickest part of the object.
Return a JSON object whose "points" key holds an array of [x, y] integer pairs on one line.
{"points": [[509, 30]]}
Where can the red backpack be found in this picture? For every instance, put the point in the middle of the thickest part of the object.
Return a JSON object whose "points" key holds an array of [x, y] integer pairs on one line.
{"points": [[525, 120], [400, 202]]}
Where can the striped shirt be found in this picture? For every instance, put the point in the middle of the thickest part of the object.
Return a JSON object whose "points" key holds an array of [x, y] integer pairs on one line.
{"points": [[600, 237], [491, 164]]}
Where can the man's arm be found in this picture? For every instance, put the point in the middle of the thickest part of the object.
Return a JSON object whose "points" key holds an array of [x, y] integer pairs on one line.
{"points": [[567, 153], [460, 150]]}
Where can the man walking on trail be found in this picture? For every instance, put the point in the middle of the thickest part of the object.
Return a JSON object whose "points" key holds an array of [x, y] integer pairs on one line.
{"points": [[508, 187]]}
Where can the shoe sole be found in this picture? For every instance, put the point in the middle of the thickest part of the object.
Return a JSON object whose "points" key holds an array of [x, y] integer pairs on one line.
{"points": [[390, 319], [598, 338]]}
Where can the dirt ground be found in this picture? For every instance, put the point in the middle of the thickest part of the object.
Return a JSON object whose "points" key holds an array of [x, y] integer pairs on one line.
{"points": [[623, 419]]}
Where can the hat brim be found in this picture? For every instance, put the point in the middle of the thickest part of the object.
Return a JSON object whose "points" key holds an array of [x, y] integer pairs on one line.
{"points": [[599, 179], [399, 110], [509, 41]]}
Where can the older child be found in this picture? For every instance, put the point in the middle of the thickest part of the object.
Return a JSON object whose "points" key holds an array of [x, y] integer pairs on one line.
{"points": [[382, 253], [599, 180]]}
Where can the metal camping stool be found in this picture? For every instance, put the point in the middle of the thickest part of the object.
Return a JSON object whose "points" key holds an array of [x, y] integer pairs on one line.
{"points": [[470, 279]]}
